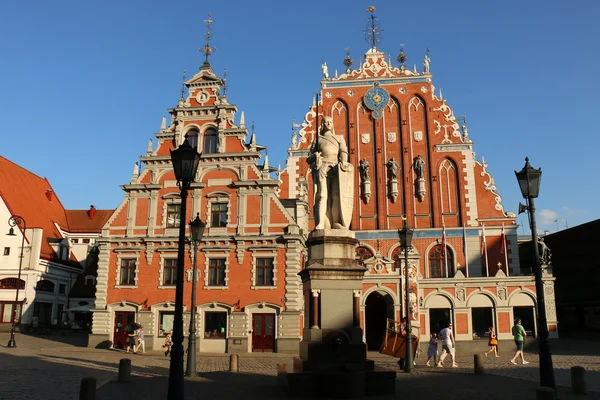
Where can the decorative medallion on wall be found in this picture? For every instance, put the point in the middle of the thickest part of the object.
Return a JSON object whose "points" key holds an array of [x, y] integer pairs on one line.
{"points": [[351, 93], [202, 96], [328, 95], [376, 99], [424, 89], [418, 135], [365, 138], [402, 90], [391, 137]]}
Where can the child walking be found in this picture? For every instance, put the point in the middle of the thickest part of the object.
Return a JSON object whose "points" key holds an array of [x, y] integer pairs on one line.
{"points": [[168, 343], [432, 350]]}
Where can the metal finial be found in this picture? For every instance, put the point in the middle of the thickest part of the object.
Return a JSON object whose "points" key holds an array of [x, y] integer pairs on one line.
{"points": [[373, 30], [252, 127], [348, 60], [402, 57], [183, 85], [224, 89], [207, 50]]}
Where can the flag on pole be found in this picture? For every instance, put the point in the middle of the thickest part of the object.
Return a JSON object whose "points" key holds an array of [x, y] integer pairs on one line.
{"points": [[465, 251], [483, 243], [502, 241], [444, 249]]}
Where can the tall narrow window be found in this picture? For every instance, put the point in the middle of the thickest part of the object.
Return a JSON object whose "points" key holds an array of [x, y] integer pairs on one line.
{"points": [[192, 138], [218, 215], [128, 272], [216, 272], [173, 211], [264, 272], [440, 262], [169, 272], [210, 141]]}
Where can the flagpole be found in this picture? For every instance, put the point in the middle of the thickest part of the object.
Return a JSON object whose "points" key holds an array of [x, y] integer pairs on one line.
{"points": [[465, 251], [487, 268], [505, 250], [445, 252]]}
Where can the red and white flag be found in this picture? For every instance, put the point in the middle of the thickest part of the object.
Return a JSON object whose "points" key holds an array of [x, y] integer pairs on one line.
{"points": [[502, 241], [483, 242]]}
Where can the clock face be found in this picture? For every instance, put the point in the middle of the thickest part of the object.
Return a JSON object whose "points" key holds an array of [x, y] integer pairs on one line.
{"points": [[376, 99]]}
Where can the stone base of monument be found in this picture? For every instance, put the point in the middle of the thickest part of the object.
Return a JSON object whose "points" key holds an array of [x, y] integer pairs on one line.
{"points": [[334, 356]]}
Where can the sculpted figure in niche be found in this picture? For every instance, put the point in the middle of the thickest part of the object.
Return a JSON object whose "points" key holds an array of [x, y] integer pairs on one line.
{"points": [[333, 178], [393, 169], [544, 251], [419, 166], [364, 170]]}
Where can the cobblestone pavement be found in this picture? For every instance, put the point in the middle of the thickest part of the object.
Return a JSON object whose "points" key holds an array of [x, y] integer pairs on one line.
{"points": [[52, 368]]}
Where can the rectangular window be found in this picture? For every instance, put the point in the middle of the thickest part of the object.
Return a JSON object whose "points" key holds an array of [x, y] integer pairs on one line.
{"points": [[215, 325], [218, 215], [75, 240], [216, 272], [128, 272], [170, 272], [7, 251], [264, 272], [166, 322], [62, 288], [86, 240], [173, 211], [6, 309]]}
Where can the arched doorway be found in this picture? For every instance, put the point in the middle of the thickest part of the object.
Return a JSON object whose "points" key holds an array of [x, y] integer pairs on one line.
{"points": [[378, 307]]}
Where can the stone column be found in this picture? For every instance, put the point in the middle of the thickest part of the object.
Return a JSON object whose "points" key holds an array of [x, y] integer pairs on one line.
{"points": [[356, 308], [315, 309]]}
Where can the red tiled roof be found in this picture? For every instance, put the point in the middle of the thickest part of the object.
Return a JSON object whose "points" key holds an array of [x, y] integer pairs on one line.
{"points": [[32, 198], [87, 221]]}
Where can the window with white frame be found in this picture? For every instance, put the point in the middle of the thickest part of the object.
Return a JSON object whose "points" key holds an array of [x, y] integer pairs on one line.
{"points": [[128, 270], [218, 214], [173, 213], [169, 272], [210, 141], [264, 272], [216, 272]]}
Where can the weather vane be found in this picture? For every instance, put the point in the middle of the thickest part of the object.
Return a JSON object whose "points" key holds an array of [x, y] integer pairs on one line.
{"points": [[183, 84], [402, 57], [225, 82], [348, 61], [373, 31], [207, 50]]}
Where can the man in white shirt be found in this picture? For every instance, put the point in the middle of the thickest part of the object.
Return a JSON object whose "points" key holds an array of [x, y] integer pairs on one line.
{"points": [[448, 345]]}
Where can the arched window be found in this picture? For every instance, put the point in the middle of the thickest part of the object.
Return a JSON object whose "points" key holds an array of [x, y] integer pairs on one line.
{"points": [[398, 257], [363, 253], [45, 286], [210, 141], [438, 260], [192, 138], [11, 283]]}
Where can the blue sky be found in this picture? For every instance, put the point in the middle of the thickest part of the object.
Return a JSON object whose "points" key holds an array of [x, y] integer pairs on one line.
{"points": [[84, 84]]}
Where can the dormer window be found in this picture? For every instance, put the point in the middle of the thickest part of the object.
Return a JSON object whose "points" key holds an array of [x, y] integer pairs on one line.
{"points": [[192, 138], [210, 141]]}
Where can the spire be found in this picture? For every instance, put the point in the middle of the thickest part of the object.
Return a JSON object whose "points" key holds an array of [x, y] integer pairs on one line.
{"points": [[266, 164], [242, 121], [163, 123], [253, 142], [373, 30], [207, 50], [136, 172], [149, 149]]}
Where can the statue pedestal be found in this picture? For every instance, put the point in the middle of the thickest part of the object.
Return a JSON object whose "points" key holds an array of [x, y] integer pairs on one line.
{"points": [[333, 354]]}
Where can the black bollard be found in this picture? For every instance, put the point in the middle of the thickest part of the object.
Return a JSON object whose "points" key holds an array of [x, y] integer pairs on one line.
{"points": [[87, 390], [125, 370], [578, 380], [479, 370], [544, 393], [233, 363]]}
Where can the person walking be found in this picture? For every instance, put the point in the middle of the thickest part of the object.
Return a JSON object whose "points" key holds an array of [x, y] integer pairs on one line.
{"points": [[448, 345], [141, 341], [432, 349], [131, 342], [168, 343], [519, 334], [493, 343]]}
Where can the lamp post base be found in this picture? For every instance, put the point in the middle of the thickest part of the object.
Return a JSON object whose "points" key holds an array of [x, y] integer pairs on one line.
{"points": [[11, 343]]}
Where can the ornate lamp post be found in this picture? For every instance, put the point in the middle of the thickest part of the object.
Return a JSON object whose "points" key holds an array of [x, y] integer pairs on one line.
{"points": [[197, 231], [185, 164], [13, 221], [406, 235], [529, 180]]}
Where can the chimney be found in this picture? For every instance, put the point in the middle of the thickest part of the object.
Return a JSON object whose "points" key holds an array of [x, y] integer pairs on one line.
{"points": [[49, 194], [92, 212]]}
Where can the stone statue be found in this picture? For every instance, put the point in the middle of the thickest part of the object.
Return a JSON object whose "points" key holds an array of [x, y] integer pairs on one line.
{"points": [[392, 169], [419, 166], [325, 70], [333, 178], [426, 62], [544, 252], [364, 170]]}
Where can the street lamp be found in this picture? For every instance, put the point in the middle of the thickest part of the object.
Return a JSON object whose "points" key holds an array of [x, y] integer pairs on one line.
{"points": [[529, 180], [13, 221], [197, 231], [185, 164], [406, 235]]}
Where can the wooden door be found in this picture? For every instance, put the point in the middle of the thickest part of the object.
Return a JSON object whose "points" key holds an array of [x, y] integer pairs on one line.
{"points": [[122, 319], [263, 332]]}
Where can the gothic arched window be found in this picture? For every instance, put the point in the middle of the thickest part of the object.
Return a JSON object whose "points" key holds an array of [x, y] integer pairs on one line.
{"points": [[192, 138], [210, 141], [438, 260]]}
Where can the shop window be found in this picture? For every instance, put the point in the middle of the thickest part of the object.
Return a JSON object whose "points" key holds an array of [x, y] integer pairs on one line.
{"points": [[216, 272], [215, 325], [173, 212], [166, 322], [170, 272], [264, 272], [128, 272], [441, 261]]}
